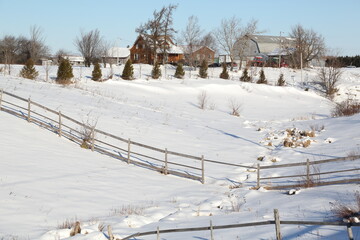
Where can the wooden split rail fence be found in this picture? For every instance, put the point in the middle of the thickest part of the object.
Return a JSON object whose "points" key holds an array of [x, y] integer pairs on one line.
{"points": [[311, 177], [160, 160], [276, 222], [86, 135]]}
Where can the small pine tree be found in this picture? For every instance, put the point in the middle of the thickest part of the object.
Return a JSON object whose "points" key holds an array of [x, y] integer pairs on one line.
{"points": [[281, 80], [156, 72], [96, 73], [179, 73], [245, 76], [29, 71], [224, 74], [128, 72], [203, 69], [262, 79], [65, 72]]}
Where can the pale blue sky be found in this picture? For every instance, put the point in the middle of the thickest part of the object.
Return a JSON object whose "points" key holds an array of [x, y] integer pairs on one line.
{"points": [[62, 20]]}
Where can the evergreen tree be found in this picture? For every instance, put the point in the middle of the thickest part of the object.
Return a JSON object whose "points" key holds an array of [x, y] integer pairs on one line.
{"points": [[156, 72], [65, 72], [262, 79], [245, 76], [128, 72], [281, 80], [29, 71], [203, 69], [96, 73], [224, 74], [179, 73]]}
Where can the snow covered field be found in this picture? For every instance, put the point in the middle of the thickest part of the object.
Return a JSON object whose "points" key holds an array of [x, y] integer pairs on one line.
{"points": [[46, 181]]}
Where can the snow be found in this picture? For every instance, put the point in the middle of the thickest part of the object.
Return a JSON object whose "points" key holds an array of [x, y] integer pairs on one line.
{"points": [[46, 180]]}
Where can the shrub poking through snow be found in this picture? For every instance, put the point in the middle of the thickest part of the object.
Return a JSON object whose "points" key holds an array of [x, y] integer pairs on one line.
{"points": [[262, 78], [156, 72], [224, 74], [281, 80], [346, 108], [203, 69], [179, 73], [235, 107], [96, 73], [348, 212], [128, 72], [65, 72], [245, 76], [203, 99], [29, 71]]}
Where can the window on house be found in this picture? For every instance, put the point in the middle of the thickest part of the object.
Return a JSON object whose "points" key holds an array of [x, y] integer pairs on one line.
{"points": [[136, 56]]}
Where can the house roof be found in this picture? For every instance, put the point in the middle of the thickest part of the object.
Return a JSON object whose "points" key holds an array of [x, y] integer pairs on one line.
{"points": [[73, 58], [273, 44], [118, 52], [185, 48]]}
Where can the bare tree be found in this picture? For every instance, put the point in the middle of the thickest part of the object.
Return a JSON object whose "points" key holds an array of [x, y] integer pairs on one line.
{"points": [[153, 30], [227, 36], [209, 41], [36, 45], [88, 44], [203, 99], [8, 49], [169, 31], [243, 43], [309, 45], [191, 38], [104, 52], [60, 54], [329, 76]]}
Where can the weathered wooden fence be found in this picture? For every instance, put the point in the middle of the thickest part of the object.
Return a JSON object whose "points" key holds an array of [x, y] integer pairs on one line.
{"points": [[160, 160], [87, 136], [311, 177], [276, 222]]}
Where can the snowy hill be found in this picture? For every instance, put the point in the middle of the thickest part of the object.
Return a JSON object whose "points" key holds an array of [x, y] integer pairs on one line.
{"points": [[46, 180]]}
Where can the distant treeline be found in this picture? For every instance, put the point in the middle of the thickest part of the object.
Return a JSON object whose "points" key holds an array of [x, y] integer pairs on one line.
{"points": [[345, 61]]}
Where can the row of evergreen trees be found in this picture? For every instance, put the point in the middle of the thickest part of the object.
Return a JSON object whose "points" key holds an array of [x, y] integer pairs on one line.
{"points": [[65, 74], [346, 61]]}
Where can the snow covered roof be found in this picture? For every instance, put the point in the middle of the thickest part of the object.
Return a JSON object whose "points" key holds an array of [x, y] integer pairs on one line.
{"points": [[73, 58], [271, 44], [118, 52]]}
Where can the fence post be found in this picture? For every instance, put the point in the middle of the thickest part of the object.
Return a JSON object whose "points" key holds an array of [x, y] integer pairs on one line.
{"points": [[92, 138], [307, 173], [166, 162], [277, 224], [157, 233], [59, 123], [110, 233], [258, 177], [349, 231], [202, 170], [211, 231], [29, 101], [1, 93], [128, 156]]}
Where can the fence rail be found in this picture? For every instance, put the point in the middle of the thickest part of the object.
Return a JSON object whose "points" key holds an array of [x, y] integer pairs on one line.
{"points": [[277, 222], [309, 179]]}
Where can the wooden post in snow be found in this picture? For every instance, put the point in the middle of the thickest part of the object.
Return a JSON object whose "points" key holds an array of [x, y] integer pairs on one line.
{"points": [[166, 162], [110, 233], [350, 233], [277, 224], [157, 233], [211, 231], [28, 118], [92, 138], [59, 124], [258, 177], [202, 170], [307, 173], [1, 93], [128, 155]]}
